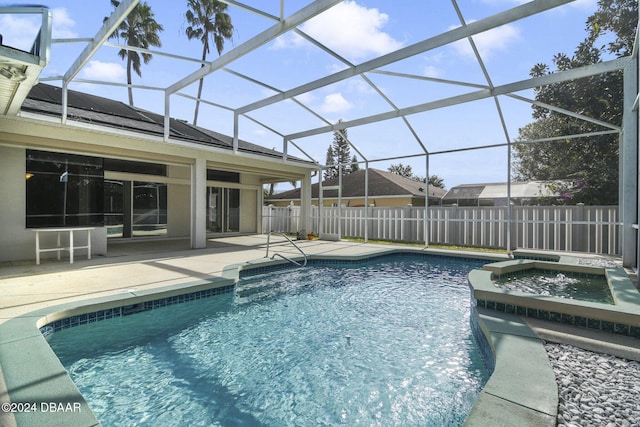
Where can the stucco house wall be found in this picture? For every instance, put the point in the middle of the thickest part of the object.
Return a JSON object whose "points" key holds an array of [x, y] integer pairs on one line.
{"points": [[18, 134]]}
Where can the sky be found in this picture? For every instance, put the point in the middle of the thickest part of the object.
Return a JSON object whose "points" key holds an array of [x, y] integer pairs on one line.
{"points": [[357, 30]]}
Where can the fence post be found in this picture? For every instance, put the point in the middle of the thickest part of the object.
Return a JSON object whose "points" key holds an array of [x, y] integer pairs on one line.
{"points": [[408, 228], [454, 226], [291, 225], [369, 210], [580, 229], [270, 218], [513, 228]]}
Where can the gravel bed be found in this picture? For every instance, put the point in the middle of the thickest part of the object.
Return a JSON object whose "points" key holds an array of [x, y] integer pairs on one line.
{"points": [[595, 389], [597, 262]]}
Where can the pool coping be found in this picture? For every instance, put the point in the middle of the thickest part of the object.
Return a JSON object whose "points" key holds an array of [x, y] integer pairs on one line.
{"points": [[522, 389], [38, 376]]}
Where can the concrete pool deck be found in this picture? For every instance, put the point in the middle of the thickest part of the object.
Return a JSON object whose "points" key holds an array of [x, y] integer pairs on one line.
{"points": [[134, 271]]}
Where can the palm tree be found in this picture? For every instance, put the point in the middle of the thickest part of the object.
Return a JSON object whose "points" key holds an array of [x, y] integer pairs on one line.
{"points": [[207, 20], [139, 29]]}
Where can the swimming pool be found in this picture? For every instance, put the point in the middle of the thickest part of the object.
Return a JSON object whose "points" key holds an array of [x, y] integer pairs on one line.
{"points": [[385, 342]]}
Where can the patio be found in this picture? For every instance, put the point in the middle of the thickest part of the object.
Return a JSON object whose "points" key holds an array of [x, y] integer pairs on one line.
{"points": [[142, 265]]}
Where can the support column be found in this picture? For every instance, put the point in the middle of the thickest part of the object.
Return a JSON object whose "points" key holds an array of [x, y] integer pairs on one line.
{"points": [[366, 202], [320, 204], [199, 204], [628, 198], [426, 225], [305, 205], [509, 222], [339, 201]]}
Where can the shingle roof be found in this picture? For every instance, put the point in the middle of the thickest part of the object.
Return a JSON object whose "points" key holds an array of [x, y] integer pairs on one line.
{"points": [[381, 184], [86, 108]]}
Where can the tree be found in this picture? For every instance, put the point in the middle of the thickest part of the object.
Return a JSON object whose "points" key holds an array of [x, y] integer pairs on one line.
{"points": [[339, 153], [436, 181], [618, 17], [355, 167], [208, 21], [581, 169], [401, 170], [139, 29], [406, 171], [331, 171]]}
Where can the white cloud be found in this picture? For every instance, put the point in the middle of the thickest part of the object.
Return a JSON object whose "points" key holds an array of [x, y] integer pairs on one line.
{"points": [[577, 4], [359, 86], [306, 98], [287, 40], [433, 62], [108, 71], [585, 4], [335, 103], [433, 71], [349, 29], [19, 32], [62, 24], [336, 67], [504, 2], [489, 42]]}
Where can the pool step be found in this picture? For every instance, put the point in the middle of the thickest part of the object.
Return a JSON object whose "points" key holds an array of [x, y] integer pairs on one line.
{"points": [[253, 292]]}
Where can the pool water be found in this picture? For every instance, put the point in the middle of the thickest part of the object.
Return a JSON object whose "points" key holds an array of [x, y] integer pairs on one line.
{"points": [[565, 285], [381, 343]]}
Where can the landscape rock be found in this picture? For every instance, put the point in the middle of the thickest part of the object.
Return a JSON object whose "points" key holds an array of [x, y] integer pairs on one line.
{"points": [[595, 389]]}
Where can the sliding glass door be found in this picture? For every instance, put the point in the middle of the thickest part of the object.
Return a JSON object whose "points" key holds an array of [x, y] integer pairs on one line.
{"points": [[223, 210], [135, 209], [117, 200]]}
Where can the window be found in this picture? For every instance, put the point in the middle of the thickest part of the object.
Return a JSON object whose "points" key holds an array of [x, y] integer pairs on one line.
{"points": [[118, 165], [64, 190], [225, 176]]}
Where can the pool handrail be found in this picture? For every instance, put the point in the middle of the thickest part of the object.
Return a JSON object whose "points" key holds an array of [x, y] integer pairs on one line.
{"points": [[283, 256]]}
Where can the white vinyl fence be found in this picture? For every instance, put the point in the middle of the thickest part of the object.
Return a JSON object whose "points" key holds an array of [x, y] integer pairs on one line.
{"points": [[580, 228]]}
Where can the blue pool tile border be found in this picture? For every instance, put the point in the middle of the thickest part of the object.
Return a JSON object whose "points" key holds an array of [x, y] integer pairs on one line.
{"points": [[254, 271], [567, 319], [126, 310], [537, 258]]}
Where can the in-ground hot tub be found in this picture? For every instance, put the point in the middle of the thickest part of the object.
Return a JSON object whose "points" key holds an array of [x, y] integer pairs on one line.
{"points": [[556, 282], [601, 298]]}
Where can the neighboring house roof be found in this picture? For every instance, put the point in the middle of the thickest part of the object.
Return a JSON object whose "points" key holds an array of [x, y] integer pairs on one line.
{"points": [[519, 190], [82, 107], [381, 184], [464, 191]]}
